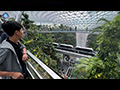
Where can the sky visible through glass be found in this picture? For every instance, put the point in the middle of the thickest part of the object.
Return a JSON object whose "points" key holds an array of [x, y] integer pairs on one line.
{"points": [[79, 19]]}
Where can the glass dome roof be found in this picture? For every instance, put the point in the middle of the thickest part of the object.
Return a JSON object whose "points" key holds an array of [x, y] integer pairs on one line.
{"points": [[80, 19]]}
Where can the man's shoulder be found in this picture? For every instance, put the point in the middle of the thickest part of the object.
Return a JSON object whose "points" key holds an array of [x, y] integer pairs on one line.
{"points": [[5, 46], [3, 54], [4, 50]]}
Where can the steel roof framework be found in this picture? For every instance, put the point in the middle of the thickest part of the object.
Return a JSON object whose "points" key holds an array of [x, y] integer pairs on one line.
{"points": [[80, 19]]}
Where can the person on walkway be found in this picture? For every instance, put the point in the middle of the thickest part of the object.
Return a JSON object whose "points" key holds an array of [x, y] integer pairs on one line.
{"points": [[11, 63], [3, 36]]}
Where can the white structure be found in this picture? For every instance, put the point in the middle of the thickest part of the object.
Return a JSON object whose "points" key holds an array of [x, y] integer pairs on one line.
{"points": [[81, 39]]}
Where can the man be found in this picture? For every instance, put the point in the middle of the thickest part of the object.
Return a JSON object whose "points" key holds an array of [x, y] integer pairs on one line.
{"points": [[11, 63], [4, 36]]}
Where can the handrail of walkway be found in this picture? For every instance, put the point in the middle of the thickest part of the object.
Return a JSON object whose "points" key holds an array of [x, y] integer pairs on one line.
{"points": [[33, 63], [65, 31], [72, 53]]}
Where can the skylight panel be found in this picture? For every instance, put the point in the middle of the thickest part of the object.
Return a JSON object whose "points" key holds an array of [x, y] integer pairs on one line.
{"points": [[85, 18]]}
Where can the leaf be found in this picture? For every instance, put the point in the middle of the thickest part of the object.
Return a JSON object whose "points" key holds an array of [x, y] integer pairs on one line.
{"points": [[39, 35], [103, 19]]}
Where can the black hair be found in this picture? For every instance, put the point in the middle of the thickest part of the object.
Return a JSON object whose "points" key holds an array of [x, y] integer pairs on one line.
{"points": [[11, 26]]}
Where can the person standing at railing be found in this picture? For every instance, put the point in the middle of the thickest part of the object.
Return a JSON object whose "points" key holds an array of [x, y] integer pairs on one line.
{"points": [[1, 31], [4, 36], [11, 63], [75, 28]]}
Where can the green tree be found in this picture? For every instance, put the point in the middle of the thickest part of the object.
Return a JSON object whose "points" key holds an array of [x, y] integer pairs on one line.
{"points": [[105, 65], [36, 44], [65, 38], [26, 21], [91, 41], [61, 26]]}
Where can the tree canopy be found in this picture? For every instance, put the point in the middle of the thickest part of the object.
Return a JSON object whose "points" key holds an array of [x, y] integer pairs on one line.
{"points": [[105, 65]]}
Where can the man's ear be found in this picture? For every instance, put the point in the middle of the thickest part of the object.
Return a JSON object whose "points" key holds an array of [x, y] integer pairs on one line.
{"points": [[16, 32]]}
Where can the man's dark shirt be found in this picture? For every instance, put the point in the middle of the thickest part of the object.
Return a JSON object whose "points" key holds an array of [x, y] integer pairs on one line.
{"points": [[18, 51]]}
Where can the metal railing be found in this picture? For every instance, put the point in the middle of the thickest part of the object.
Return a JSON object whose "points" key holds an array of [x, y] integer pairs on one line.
{"points": [[72, 53], [38, 70], [67, 31]]}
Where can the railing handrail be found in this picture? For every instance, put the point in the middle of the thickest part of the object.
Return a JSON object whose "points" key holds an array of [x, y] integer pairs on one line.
{"points": [[45, 67], [72, 53], [30, 73], [35, 70]]}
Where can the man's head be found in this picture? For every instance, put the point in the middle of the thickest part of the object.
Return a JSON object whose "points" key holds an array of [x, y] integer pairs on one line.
{"points": [[13, 28]]}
